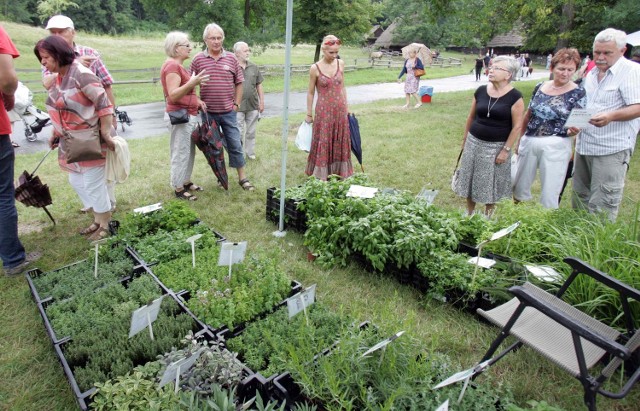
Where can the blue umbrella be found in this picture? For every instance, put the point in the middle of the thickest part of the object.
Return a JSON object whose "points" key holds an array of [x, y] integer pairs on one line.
{"points": [[356, 142]]}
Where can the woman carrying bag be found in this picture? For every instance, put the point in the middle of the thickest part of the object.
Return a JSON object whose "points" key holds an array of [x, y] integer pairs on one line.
{"points": [[413, 68], [80, 113], [179, 88]]}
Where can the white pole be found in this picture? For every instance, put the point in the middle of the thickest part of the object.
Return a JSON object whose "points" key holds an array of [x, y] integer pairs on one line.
{"points": [[285, 117]]}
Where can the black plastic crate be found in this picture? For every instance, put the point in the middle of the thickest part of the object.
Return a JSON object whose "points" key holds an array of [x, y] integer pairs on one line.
{"points": [[293, 218]]}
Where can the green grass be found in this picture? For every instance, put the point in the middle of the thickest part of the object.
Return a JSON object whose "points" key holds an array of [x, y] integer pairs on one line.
{"points": [[402, 149]]}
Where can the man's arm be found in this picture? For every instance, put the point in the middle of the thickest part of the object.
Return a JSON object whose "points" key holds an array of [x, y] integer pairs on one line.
{"points": [[622, 114], [260, 97], [8, 80], [238, 94]]}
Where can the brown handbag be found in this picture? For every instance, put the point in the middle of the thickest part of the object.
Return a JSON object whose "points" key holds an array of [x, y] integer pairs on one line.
{"points": [[81, 145], [418, 72]]}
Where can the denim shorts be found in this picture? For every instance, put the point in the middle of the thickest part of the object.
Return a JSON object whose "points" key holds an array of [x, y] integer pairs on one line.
{"points": [[232, 141]]}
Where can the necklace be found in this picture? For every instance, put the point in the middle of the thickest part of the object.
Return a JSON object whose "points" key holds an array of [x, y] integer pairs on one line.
{"points": [[559, 88], [490, 106]]}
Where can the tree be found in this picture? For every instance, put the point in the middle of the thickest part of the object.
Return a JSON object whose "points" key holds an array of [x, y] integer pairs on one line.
{"points": [[48, 8], [350, 20]]}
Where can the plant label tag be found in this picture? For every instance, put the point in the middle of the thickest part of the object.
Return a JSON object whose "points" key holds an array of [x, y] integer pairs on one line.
{"points": [[232, 253], [482, 262], [383, 343], [176, 369], [505, 231], [444, 406], [192, 240], [361, 191], [299, 302], [148, 209], [463, 375], [427, 195], [144, 316], [544, 273]]}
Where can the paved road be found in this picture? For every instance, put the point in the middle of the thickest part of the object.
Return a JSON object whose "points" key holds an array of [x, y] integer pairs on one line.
{"points": [[148, 118]]}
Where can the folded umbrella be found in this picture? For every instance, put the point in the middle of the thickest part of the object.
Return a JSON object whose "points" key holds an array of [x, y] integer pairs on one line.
{"points": [[32, 193], [208, 137], [356, 142]]}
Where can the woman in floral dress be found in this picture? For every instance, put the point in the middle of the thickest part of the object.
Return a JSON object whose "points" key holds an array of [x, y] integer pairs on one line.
{"points": [[331, 143], [412, 82]]}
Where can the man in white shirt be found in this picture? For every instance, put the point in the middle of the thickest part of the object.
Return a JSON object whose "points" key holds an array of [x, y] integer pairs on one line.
{"points": [[603, 150]]}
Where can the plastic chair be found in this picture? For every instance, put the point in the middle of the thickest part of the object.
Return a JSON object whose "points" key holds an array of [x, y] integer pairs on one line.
{"points": [[567, 336]]}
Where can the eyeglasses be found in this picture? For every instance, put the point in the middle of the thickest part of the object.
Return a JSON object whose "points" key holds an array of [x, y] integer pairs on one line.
{"points": [[499, 68], [333, 42], [185, 45], [215, 38]]}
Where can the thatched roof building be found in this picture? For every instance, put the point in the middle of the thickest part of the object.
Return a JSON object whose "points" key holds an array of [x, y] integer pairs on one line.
{"points": [[510, 42]]}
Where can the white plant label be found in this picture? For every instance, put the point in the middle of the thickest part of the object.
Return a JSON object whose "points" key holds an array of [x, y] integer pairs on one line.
{"points": [[544, 273], [383, 343], [299, 302], [463, 375], [444, 406], [144, 316], [192, 240], [176, 369], [427, 195], [482, 262], [361, 191], [232, 253], [505, 231], [148, 209]]}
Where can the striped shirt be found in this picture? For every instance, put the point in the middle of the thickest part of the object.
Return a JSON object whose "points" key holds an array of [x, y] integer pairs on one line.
{"points": [[98, 67], [619, 88], [219, 92]]}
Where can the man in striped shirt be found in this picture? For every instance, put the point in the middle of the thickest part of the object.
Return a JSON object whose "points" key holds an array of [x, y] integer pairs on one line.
{"points": [[603, 150], [222, 94]]}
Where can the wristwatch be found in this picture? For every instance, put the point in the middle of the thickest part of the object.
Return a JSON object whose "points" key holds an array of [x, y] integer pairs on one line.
{"points": [[506, 148]]}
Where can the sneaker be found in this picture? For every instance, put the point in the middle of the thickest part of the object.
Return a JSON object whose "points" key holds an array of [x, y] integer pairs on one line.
{"points": [[20, 268], [417, 105], [252, 157]]}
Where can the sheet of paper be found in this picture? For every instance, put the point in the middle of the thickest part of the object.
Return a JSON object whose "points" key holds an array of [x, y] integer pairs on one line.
{"points": [[361, 191], [579, 118]]}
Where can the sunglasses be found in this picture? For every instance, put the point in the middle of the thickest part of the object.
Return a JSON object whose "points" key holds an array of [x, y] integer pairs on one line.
{"points": [[333, 42]]}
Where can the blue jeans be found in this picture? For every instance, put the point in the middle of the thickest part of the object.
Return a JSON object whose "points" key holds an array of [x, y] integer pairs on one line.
{"points": [[232, 140], [11, 249]]}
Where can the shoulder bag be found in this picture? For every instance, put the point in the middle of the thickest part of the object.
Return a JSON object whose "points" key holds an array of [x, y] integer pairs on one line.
{"points": [[81, 145], [180, 116], [418, 72]]}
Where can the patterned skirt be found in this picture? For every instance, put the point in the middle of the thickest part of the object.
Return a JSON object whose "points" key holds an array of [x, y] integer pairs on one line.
{"points": [[479, 177]]}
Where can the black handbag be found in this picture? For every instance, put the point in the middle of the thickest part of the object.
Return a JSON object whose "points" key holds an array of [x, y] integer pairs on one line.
{"points": [[179, 116]]}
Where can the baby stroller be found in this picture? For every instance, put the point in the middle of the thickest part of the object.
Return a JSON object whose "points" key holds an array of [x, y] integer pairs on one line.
{"points": [[24, 107]]}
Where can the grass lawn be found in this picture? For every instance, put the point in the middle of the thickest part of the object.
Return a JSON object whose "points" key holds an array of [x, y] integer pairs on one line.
{"points": [[402, 149]]}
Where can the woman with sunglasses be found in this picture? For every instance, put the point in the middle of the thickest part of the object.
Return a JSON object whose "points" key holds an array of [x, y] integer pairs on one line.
{"points": [[492, 128], [331, 142]]}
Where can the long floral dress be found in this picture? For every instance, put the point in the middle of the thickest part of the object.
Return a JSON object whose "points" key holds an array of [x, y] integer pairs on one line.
{"points": [[331, 143], [412, 82]]}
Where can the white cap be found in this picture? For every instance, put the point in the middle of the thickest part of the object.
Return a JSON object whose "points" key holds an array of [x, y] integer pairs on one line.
{"points": [[59, 22]]}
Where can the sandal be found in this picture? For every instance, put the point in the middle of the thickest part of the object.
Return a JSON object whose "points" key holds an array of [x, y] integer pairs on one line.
{"points": [[14, 144], [185, 195], [246, 185], [100, 233], [91, 229], [192, 187]]}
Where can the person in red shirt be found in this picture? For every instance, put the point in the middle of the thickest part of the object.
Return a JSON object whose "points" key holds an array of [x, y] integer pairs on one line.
{"points": [[14, 258]]}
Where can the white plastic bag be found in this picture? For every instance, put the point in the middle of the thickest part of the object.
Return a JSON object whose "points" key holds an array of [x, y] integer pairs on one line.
{"points": [[303, 139]]}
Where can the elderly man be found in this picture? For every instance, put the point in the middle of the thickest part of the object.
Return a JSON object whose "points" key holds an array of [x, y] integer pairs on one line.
{"points": [[63, 26], [252, 98], [222, 94], [604, 150], [12, 254]]}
